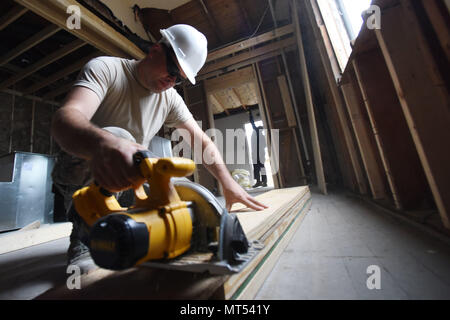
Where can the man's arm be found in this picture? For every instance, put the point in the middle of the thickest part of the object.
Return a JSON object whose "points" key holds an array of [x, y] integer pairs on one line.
{"points": [[110, 157], [233, 192]]}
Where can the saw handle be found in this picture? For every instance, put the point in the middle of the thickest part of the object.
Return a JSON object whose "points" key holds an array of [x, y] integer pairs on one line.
{"points": [[138, 157]]}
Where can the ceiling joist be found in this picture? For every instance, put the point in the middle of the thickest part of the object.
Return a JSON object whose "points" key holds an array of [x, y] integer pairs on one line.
{"points": [[43, 63], [11, 16], [61, 74], [93, 30], [29, 43]]}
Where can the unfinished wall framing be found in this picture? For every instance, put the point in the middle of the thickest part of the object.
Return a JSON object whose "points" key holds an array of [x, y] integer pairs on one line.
{"points": [[395, 96]]}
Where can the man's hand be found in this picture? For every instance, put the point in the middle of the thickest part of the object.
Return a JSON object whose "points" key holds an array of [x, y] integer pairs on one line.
{"points": [[112, 164], [233, 193]]}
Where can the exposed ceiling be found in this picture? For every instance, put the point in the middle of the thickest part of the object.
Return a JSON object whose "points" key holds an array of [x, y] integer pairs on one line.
{"points": [[42, 59]]}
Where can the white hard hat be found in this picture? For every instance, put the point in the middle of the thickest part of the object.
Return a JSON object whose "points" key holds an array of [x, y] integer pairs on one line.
{"points": [[190, 47]]}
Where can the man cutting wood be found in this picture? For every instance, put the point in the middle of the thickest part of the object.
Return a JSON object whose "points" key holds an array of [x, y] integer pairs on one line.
{"points": [[117, 106]]}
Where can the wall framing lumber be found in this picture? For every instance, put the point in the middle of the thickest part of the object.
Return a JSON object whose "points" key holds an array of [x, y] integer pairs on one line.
{"points": [[327, 62], [364, 137], [93, 30], [318, 162], [403, 47], [397, 150], [239, 46], [274, 46]]}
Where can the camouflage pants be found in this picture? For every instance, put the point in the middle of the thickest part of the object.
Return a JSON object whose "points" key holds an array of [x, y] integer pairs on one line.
{"points": [[71, 173]]}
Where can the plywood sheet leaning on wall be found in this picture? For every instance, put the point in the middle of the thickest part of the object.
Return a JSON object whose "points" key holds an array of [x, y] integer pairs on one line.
{"points": [[273, 227]]}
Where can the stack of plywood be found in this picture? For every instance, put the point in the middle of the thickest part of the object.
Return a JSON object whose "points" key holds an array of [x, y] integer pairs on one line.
{"points": [[272, 227]]}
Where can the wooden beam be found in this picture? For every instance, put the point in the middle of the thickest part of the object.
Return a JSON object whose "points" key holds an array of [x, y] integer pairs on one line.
{"points": [[12, 15], [364, 137], [245, 63], [337, 99], [29, 43], [211, 20], [217, 101], [61, 74], [232, 79], [43, 63], [93, 30], [422, 95], [274, 46], [318, 162], [239, 46], [16, 240], [239, 98]]}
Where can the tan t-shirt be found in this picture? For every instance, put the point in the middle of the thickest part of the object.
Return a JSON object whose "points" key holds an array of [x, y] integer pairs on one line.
{"points": [[126, 104]]}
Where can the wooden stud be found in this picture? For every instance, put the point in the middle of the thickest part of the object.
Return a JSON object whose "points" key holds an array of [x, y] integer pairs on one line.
{"points": [[364, 137], [400, 159], [337, 99], [318, 162], [423, 98]]}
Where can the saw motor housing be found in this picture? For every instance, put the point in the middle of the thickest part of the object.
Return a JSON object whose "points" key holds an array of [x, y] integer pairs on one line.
{"points": [[160, 225]]}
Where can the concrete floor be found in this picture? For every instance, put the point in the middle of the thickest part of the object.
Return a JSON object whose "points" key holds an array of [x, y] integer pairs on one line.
{"points": [[340, 238], [327, 258]]}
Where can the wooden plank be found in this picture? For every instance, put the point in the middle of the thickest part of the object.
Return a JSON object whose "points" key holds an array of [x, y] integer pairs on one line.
{"points": [[287, 102], [12, 15], [93, 30], [401, 162], [267, 120], [230, 80], [420, 88], [274, 46], [318, 162], [16, 240], [279, 241], [239, 46], [327, 63], [67, 49], [364, 137], [273, 227], [29, 43]]}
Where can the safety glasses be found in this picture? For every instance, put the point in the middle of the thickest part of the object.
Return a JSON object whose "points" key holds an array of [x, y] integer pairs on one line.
{"points": [[172, 68]]}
